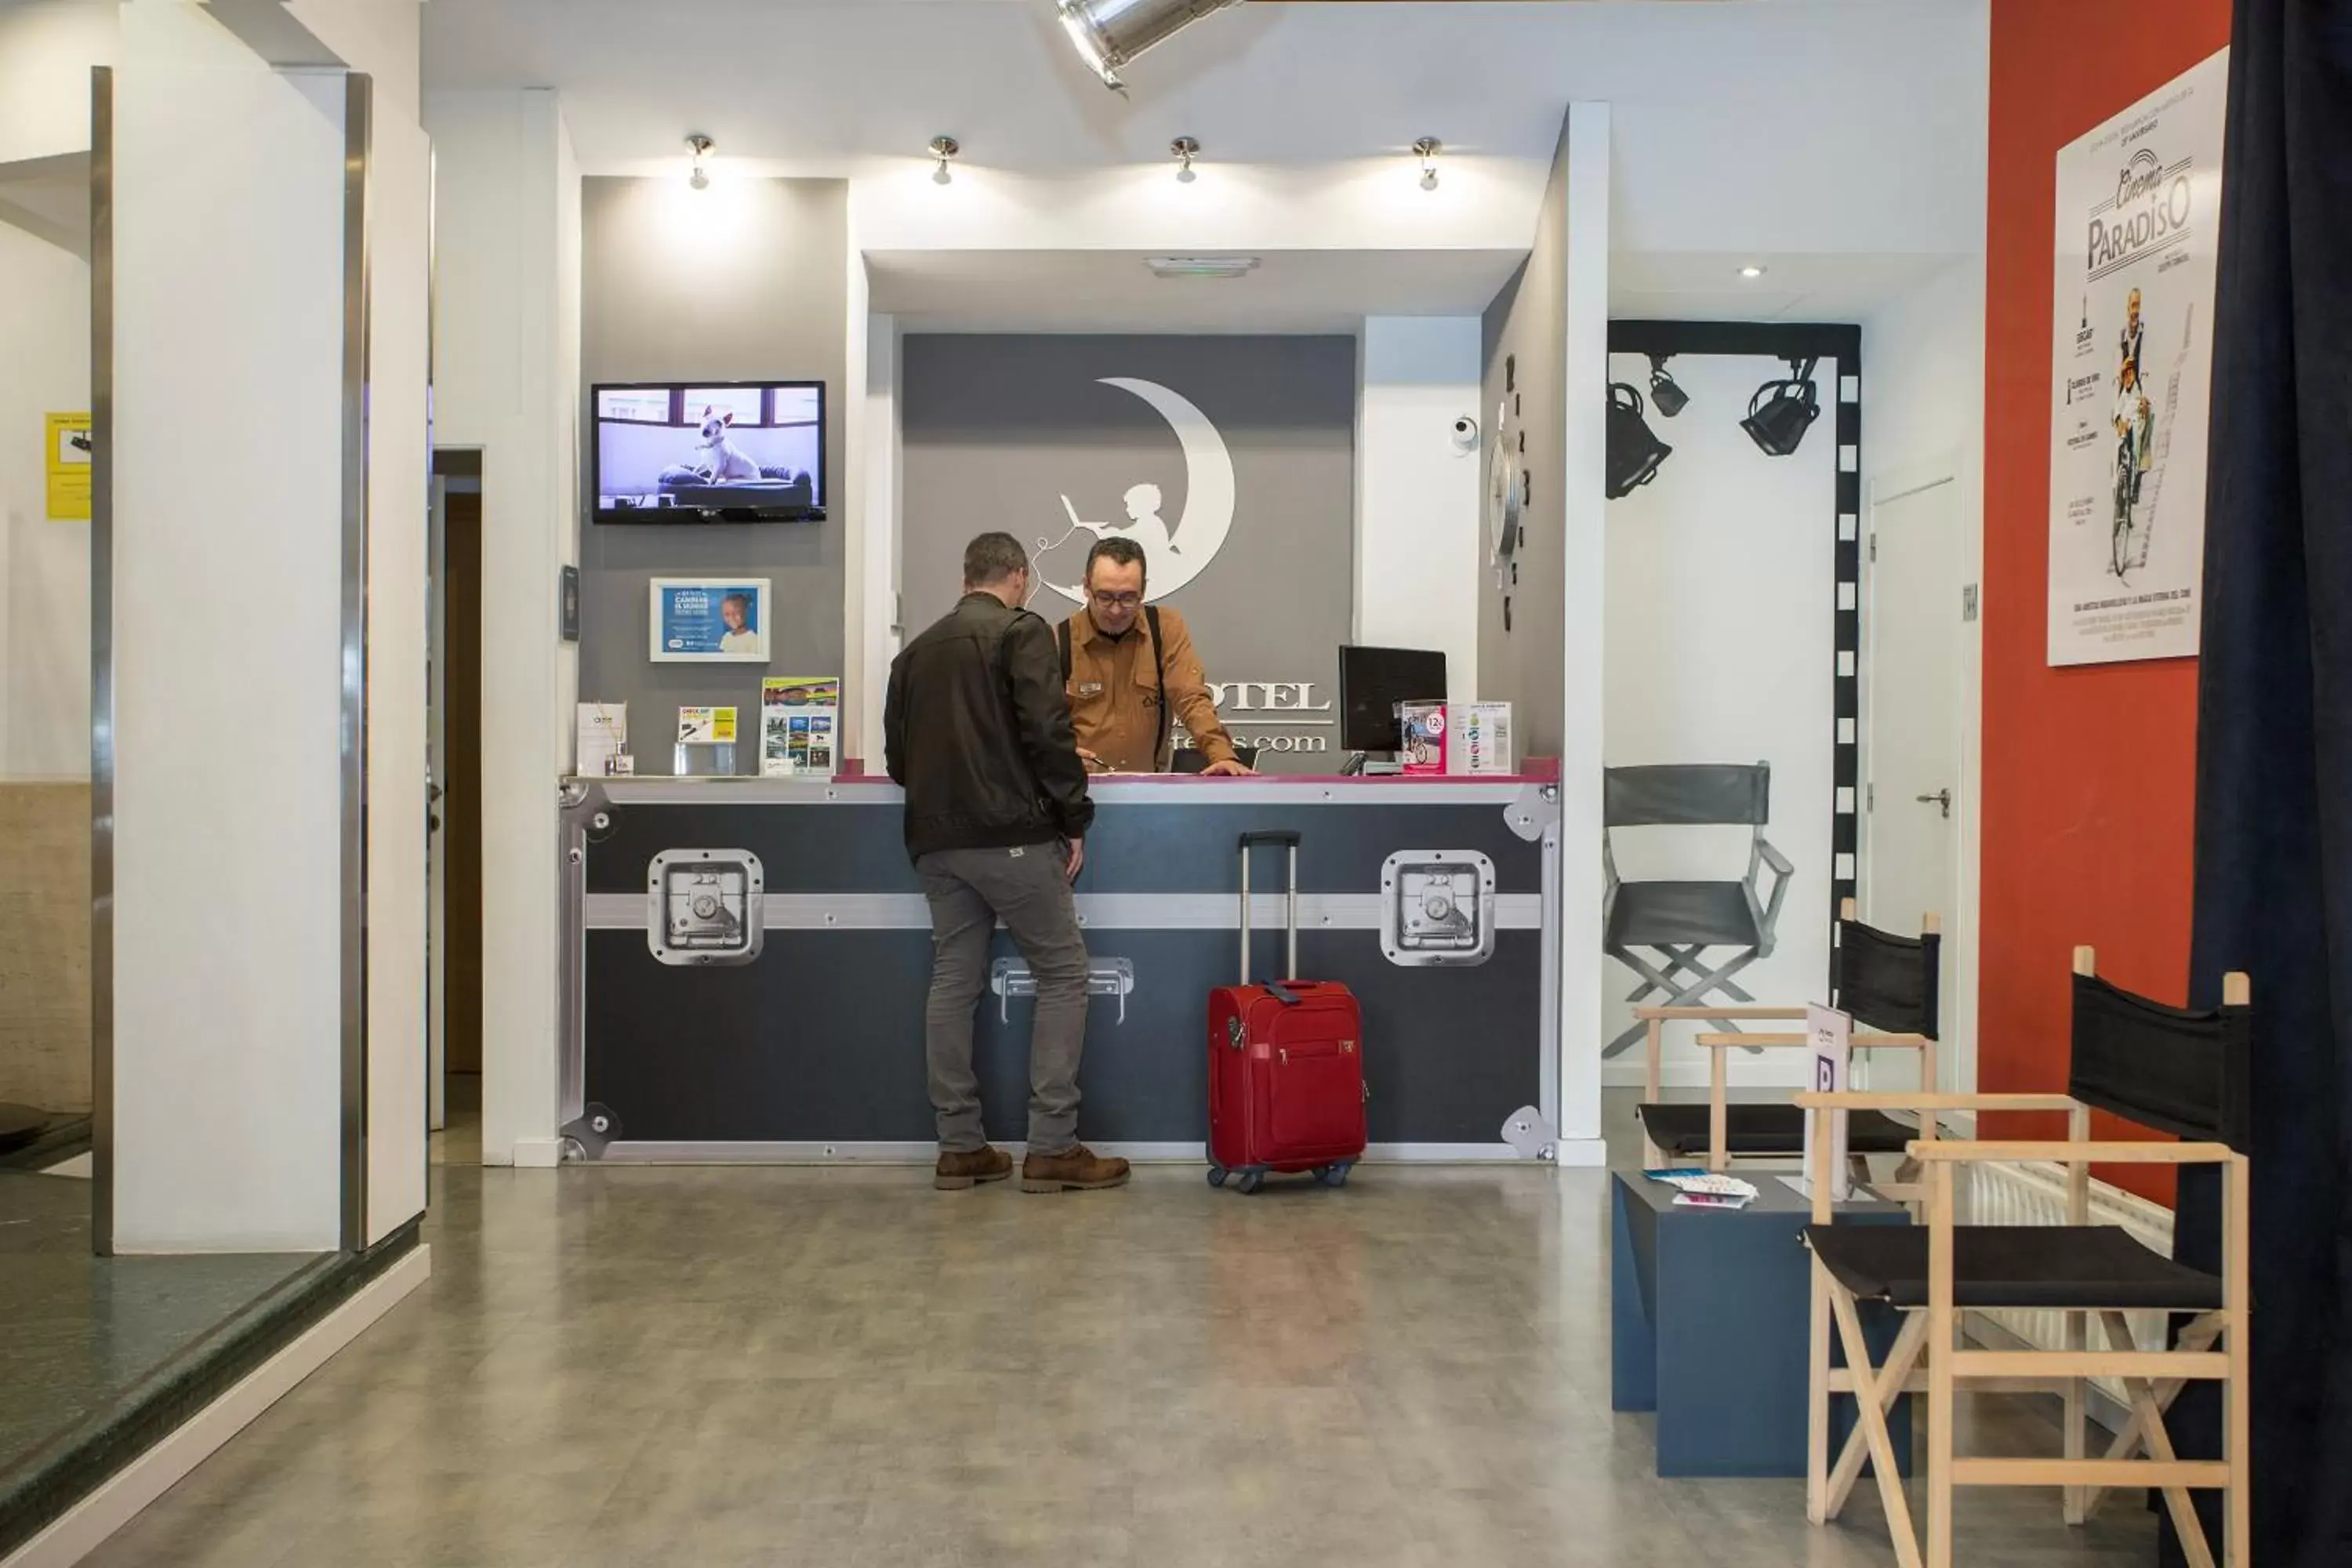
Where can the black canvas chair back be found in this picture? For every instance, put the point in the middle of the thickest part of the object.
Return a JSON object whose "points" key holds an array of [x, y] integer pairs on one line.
{"points": [[1886, 982], [2164, 1068], [1692, 794]]}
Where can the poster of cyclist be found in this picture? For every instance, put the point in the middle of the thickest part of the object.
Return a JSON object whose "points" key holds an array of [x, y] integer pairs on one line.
{"points": [[2139, 205]]}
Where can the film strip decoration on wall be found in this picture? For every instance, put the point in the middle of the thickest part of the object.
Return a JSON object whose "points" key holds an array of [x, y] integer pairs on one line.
{"points": [[1837, 351]]}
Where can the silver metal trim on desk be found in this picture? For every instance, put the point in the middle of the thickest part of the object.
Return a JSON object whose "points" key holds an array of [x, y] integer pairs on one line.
{"points": [[1097, 912], [102, 660], [359, 102], [646, 1151], [632, 789]]}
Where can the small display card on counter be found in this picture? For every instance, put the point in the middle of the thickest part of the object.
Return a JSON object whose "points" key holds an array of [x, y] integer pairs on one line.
{"points": [[1421, 728], [1480, 737], [1829, 1036], [1700, 1189], [604, 739], [705, 742], [800, 725]]}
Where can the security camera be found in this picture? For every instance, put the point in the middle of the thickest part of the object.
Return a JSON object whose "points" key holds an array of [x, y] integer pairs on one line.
{"points": [[1465, 433]]}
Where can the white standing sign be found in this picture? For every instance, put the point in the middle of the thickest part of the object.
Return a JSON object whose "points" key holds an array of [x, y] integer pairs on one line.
{"points": [[1829, 1036], [2139, 206]]}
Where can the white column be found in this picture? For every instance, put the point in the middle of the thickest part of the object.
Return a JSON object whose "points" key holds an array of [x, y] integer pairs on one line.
{"points": [[1584, 531], [1417, 489], [227, 556], [508, 381]]}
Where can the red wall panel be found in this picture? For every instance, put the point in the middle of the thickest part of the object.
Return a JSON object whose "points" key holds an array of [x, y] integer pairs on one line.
{"points": [[2089, 773]]}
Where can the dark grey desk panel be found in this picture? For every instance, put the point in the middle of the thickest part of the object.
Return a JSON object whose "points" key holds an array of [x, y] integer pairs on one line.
{"points": [[1135, 846], [820, 1039]]}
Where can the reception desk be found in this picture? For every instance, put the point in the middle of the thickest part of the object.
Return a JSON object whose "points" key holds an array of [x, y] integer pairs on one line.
{"points": [[746, 962]]}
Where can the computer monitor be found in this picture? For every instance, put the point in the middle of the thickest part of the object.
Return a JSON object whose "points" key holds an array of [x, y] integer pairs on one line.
{"points": [[1372, 681]]}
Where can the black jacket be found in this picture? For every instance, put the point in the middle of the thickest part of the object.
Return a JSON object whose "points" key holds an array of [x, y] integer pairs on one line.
{"points": [[977, 732]]}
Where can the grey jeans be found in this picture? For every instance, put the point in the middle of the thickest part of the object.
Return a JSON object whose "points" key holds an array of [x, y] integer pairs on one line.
{"points": [[969, 891]]}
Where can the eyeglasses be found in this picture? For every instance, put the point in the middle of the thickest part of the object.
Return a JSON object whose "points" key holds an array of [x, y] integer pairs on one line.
{"points": [[1119, 601]]}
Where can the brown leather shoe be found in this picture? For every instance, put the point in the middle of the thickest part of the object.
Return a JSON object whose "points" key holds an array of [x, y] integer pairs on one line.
{"points": [[956, 1172], [1080, 1169]]}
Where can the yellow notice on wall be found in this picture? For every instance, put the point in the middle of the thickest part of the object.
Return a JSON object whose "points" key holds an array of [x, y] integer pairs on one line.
{"points": [[69, 467]]}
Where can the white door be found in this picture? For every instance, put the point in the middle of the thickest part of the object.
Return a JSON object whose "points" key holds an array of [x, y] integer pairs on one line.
{"points": [[1911, 740]]}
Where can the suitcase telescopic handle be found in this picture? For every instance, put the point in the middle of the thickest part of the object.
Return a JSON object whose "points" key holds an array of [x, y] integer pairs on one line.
{"points": [[1288, 839]]}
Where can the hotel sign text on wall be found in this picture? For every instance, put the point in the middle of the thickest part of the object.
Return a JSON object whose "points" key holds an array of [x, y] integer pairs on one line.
{"points": [[1272, 715]]}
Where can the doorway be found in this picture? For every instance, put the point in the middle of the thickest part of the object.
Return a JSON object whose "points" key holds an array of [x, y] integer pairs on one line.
{"points": [[454, 1054], [1912, 742]]}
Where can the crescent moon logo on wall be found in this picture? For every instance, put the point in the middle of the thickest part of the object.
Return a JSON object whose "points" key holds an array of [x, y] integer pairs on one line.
{"points": [[1172, 556]]}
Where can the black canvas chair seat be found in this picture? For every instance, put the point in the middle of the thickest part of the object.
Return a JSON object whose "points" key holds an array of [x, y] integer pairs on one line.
{"points": [[2078, 1266], [1760, 1131], [1713, 914]]}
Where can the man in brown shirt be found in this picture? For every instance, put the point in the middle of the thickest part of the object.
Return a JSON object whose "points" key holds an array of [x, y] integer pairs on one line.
{"points": [[1117, 679]]}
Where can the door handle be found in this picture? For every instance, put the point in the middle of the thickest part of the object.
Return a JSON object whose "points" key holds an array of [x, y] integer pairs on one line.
{"points": [[1941, 798]]}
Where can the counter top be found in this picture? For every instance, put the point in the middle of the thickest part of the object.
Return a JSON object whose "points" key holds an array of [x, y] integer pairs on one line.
{"points": [[1107, 788]]}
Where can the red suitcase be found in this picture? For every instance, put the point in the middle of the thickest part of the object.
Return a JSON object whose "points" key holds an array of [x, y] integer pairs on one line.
{"points": [[1286, 1064]]}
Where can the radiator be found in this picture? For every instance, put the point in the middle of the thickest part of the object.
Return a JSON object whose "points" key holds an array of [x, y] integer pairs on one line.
{"points": [[2035, 1194]]}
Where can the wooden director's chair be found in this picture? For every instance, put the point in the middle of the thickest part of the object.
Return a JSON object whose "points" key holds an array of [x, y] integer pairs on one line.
{"points": [[1884, 980], [2174, 1072]]}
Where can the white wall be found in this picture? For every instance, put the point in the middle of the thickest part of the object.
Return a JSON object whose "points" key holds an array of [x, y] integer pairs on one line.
{"points": [[1720, 649], [506, 380], [1923, 401], [46, 48], [1417, 492], [228, 299], [381, 37], [44, 564]]}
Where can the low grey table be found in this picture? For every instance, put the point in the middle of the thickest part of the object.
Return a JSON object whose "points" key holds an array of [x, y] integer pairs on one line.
{"points": [[1708, 1314]]}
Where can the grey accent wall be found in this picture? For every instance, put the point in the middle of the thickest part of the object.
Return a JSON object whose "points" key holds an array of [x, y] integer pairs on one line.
{"points": [[996, 430], [748, 282], [1527, 327]]}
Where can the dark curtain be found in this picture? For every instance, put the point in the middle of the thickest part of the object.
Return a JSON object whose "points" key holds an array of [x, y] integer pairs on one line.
{"points": [[2275, 752]]}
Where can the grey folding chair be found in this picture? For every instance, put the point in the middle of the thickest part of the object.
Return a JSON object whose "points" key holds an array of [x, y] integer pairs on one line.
{"points": [[1680, 922]]}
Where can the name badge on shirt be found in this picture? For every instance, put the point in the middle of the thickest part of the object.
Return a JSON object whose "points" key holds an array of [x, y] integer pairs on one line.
{"points": [[1090, 687]]}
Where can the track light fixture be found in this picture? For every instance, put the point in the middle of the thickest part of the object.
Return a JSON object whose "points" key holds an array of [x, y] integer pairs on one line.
{"points": [[1184, 149], [1670, 398], [1107, 33], [944, 149], [1426, 150], [701, 147], [1634, 449], [1783, 411]]}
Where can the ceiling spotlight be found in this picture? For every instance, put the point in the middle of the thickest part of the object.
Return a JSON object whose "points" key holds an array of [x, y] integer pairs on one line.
{"points": [[944, 148], [1426, 150], [1751, 271], [1184, 150], [1110, 33], [1783, 411], [1670, 398], [1634, 450], [701, 147]]}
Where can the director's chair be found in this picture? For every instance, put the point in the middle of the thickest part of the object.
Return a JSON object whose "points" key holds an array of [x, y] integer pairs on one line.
{"points": [[1681, 923], [1889, 985], [2175, 1071]]}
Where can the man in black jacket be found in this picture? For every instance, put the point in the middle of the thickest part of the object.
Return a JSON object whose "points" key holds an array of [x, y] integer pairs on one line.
{"points": [[977, 732]]}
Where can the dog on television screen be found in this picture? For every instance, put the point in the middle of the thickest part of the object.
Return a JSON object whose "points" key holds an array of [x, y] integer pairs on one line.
{"points": [[718, 459]]}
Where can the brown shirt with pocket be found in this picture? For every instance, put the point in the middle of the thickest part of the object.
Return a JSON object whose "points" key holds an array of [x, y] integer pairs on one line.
{"points": [[1114, 688]]}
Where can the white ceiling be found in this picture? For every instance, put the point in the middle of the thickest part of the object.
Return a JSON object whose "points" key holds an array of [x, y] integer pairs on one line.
{"points": [[1804, 133], [1116, 291]]}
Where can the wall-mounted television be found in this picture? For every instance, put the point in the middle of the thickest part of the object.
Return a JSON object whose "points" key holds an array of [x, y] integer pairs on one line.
{"points": [[710, 451]]}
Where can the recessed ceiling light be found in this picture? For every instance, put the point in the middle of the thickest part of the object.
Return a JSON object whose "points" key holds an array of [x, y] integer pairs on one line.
{"points": [[944, 149], [1184, 149], [1201, 266], [701, 147], [1426, 150], [1751, 271]]}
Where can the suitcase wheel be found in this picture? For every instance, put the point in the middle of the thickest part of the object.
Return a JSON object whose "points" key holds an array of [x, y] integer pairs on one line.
{"points": [[1335, 1176], [1217, 1174], [1249, 1181]]}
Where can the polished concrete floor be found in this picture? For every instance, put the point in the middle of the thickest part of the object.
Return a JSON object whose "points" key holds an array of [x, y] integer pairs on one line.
{"points": [[755, 1366], [79, 1335]]}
